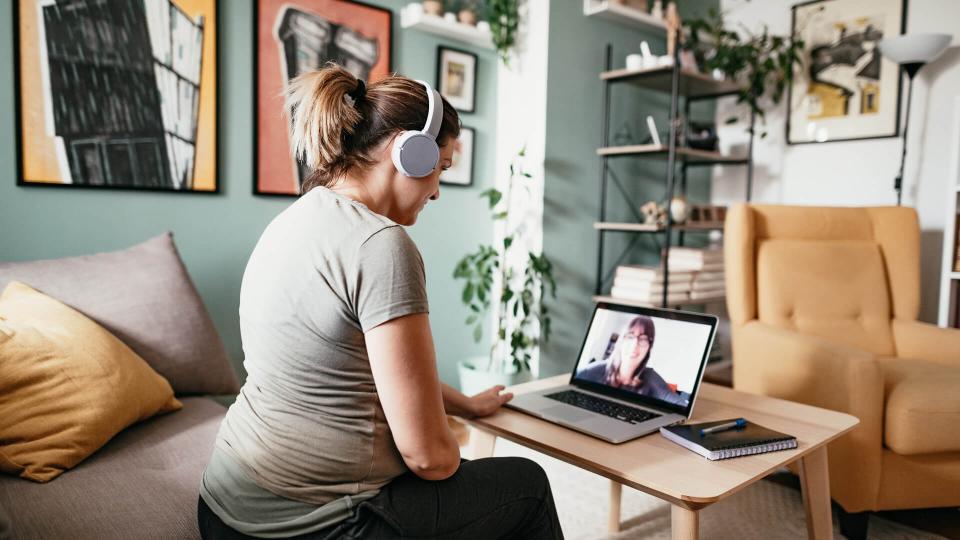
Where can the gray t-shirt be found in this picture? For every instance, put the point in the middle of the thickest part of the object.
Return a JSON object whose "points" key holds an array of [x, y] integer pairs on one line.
{"points": [[308, 424]]}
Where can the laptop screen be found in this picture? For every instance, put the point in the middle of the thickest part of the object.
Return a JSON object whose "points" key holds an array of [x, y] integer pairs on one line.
{"points": [[647, 355]]}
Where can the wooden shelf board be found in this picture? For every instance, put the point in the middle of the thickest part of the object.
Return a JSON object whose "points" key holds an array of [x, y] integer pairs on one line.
{"points": [[643, 227], [614, 300], [612, 11], [692, 83], [661, 151], [433, 24]]}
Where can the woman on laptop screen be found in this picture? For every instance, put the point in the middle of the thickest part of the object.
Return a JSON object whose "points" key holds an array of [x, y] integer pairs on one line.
{"points": [[627, 366]]}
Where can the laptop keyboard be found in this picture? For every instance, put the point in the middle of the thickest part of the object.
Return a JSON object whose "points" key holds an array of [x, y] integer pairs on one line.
{"points": [[602, 406]]}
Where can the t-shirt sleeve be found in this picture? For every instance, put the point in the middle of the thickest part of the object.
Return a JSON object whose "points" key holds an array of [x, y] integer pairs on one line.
{"points": [[391, 281]]}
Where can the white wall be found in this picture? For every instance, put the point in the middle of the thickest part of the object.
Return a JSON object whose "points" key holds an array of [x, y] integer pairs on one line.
{"points": [[858, 173]]}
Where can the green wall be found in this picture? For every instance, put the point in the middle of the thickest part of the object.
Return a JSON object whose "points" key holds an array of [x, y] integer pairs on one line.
{"points": [[572, 179], [216, 233]]}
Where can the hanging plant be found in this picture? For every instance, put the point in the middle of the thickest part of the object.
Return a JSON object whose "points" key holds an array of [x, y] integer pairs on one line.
{"points": [[762, 62], [504, 19]]}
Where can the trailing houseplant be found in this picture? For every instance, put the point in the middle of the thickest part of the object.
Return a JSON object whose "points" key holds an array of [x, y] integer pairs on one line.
{"points": [[524, 279], [763, 62], [504, 19]]}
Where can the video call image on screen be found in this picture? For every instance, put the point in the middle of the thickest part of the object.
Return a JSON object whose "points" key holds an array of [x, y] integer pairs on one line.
{"points": [[654, 357]]}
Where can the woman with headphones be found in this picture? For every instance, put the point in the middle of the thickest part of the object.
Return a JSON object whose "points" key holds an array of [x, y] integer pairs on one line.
{"points": [[340, 429]]}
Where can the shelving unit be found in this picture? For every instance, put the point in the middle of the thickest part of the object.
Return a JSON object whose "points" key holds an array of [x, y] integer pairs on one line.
{"points": [[949, 312], [619, 13], [682, 85], [418, 20]]}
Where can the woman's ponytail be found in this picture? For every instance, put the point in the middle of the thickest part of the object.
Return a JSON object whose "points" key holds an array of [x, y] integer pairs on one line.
{"points": [[322, 117]]}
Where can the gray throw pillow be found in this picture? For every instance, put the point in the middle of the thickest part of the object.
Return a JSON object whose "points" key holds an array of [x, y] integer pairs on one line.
{"points": [[144, 296]]}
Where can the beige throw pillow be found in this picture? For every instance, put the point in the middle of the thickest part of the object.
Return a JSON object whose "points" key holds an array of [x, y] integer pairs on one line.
{"points": [[67, 386]]}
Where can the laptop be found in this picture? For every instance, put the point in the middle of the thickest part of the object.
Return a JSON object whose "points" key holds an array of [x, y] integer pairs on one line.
{"points": [[639, 369]]}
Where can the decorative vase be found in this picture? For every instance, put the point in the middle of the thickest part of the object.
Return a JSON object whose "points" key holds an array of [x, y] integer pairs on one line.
{"points": [[467, 16], [433, 7], [474, 379], [679, 209]]}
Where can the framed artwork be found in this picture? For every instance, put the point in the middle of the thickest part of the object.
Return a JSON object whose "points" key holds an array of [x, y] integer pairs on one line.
{"points": [[460, 172], [294, 37], [845, 89], [117, 94], [457, 77]]}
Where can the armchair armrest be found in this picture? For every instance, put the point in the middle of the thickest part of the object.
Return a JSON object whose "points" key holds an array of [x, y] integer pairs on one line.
{"points": [[928, 342], [808, 369]]}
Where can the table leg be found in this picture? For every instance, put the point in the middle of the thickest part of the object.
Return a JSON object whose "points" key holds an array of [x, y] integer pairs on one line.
{"points": [[616, 490], [815, 484], [684, 523], [481, 443]]}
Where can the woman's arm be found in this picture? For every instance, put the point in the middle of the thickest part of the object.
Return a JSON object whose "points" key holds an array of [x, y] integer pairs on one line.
{"points": [[483, 404], [404, 368]]}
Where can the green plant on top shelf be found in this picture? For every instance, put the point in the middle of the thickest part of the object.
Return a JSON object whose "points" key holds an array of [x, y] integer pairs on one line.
{"points": [[523, 285], [762, 62], [504, 19]]}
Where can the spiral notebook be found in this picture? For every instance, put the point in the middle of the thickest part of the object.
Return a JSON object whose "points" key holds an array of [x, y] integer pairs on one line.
{"points": [[749, 440]]}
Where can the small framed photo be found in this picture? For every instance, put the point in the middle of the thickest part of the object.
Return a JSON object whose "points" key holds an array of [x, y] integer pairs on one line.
{"points": [[460, 172], [457, 77]]}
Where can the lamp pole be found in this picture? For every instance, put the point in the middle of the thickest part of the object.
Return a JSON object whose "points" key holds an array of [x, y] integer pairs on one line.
{"points": [[911, 68]]}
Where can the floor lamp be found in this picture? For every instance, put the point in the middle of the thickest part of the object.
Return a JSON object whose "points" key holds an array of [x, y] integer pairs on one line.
{"points": [[912, 52]]}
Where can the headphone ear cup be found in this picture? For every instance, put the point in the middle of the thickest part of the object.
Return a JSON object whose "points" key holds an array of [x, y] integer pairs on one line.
{"points": [[415, 154]]}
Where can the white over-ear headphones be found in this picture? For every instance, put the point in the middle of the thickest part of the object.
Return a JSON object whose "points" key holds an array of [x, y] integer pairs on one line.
{"points": [[415, 153]]}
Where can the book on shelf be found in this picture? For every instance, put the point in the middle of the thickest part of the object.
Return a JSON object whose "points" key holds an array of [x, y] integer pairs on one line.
{"points": [[646, 285], [700, 254], [681, 265], [649, 297], [702, 295], [747, 440], [712, 275], [707, 285], [654, 273]]}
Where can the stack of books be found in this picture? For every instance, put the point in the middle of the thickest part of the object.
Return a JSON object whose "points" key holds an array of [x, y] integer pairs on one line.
{"points": [[645, 284], [695, 274], [706, 265]]}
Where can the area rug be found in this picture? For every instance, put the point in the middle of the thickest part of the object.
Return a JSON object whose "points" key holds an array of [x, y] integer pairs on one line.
{"points": [[764, 510]]}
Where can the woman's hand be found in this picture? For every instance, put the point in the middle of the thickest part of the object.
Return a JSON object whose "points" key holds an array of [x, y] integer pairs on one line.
{"points": [[487, 402]]}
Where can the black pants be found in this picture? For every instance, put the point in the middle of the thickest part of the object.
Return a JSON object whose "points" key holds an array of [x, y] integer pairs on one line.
{"points": [[487, 498]]}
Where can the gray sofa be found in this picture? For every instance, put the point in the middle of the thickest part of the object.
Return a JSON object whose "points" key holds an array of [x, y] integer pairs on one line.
{"points": [[144, 483]]}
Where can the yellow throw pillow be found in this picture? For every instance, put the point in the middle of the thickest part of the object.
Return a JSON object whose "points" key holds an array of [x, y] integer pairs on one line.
{"points": [[67, 385]]}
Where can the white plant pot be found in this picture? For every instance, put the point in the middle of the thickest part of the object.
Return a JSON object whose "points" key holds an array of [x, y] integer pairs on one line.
{"points": [[475, 379]]}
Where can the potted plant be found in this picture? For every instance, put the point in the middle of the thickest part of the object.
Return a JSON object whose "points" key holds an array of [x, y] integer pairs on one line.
{"points": [[433, 7], [523, 278], [762, 62], [504, 19], [468, 12]]}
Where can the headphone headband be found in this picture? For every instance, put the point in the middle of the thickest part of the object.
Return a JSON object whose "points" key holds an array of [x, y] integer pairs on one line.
{"points": [[434, 111]]}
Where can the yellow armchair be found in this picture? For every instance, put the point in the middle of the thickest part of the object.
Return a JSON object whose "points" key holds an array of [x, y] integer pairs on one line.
{"points": [[823, 305]]}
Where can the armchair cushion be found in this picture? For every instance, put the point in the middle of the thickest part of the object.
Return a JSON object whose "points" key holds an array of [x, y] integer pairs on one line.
{"points": [[836, 290], [922, 406]]}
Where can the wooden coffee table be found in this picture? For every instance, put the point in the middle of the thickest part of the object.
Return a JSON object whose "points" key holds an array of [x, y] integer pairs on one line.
{"points": [[665, 470]]}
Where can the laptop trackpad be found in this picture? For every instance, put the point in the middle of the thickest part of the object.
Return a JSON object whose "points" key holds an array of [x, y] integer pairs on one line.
{"points": [[564, 412]]}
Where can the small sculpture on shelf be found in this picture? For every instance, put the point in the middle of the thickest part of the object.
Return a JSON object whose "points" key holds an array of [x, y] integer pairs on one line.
{"points": [[679, 209], [468, 12], [702, 136], [654, 213]]}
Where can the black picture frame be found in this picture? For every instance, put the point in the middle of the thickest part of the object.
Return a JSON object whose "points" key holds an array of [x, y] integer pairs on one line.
{"points": [[471, 145], [255, 187], [789, 112], [466, 105], [21, 181]]}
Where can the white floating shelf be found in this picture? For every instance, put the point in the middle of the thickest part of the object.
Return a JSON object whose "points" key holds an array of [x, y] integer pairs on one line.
{"points": [[613, 11], [418, 20]]}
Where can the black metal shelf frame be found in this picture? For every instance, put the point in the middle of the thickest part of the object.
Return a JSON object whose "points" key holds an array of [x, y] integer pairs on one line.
{"points": [[672, 159]]}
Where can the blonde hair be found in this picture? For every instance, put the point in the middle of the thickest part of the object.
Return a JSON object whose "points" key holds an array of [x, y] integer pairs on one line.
{"points": [[333, 133]]}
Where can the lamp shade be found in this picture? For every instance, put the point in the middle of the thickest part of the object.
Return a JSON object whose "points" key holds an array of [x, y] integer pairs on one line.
{"points": [[914, 48]]}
